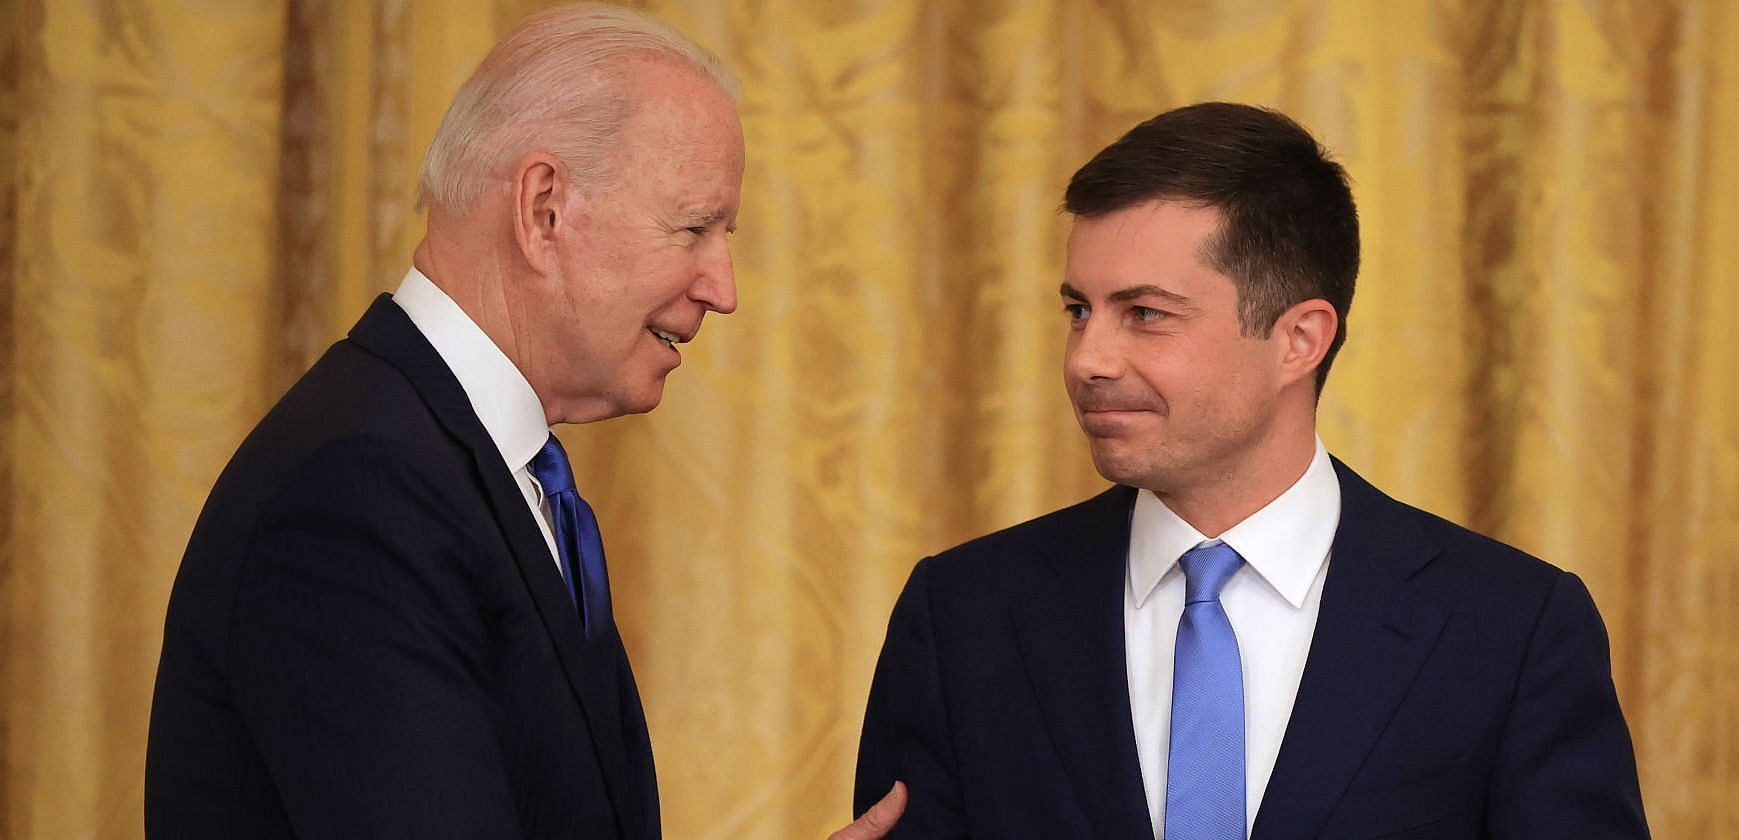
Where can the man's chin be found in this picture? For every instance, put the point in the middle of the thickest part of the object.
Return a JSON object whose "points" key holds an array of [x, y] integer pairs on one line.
{"points": [[1119, 465], [647, 398], [621, 404]]}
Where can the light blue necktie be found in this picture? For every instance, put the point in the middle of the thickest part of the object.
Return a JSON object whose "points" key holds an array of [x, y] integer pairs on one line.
{"points": [[1204, 788], [578, 544]]}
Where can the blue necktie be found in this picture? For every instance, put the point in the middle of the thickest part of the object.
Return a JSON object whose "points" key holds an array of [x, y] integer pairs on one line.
{"points": [[577, 539], [1204, 788]]}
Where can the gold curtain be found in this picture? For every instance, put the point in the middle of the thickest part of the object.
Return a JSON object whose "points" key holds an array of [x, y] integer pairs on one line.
{"points": [[195, 198]]}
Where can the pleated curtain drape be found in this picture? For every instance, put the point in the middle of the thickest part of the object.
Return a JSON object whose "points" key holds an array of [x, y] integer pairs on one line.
{"points": [[196, 198]]}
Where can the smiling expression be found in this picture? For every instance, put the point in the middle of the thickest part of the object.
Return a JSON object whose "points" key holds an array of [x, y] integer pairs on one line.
{"points": [[1165, 383], [646, 256]]}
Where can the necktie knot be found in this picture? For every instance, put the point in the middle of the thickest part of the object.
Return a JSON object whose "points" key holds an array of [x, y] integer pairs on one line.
{"points": [[1206, 568], [550, 467]]}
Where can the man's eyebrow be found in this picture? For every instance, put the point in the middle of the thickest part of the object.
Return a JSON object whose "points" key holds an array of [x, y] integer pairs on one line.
{"points": [[1148, 290], [704, 218], [1131, 293]]}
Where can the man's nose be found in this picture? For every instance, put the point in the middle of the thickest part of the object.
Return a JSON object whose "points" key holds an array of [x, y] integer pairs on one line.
{"points": [[716, 285], [1093, 354]]}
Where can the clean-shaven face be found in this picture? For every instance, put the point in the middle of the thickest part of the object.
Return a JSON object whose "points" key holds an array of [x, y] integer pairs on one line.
{"points": [[1167, 387], [648, 255]]}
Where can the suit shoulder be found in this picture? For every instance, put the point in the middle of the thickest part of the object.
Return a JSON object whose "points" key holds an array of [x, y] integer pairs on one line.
{"points": [[349, 393], [349, 388], [350, 414], [1491, 555], [1019, 545], [1484, 570]]}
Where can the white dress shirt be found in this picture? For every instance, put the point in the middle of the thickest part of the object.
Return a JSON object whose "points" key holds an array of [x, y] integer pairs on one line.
{"points": [[503, 400], [1272, 602]]}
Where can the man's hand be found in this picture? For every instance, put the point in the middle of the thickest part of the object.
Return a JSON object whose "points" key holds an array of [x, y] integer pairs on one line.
{"points": [[878, 820]]}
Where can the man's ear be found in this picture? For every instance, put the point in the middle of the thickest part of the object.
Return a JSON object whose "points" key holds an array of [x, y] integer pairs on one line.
{"points": [[1305, 331], [540, 195]]}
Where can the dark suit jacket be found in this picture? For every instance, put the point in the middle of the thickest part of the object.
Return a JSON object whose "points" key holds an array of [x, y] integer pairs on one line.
{"points": [[368, 636], [1455, 688]]}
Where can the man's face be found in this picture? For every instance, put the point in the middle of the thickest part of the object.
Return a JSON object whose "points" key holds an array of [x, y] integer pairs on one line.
{"points": [[647, 255], [1170, 392]]}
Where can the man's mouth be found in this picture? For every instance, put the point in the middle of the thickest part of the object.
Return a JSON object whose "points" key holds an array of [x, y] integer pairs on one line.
{"points": [[1113, 416], [670, 339], [1102, 402]]}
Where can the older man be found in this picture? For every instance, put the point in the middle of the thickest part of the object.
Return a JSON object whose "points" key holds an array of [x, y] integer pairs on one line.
{"points": [[1243, 638], [393, 617]]}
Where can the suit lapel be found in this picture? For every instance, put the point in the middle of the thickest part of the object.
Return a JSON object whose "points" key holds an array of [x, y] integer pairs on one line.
{"points": [[589, 665], [1372, 635], [1070, 632]]}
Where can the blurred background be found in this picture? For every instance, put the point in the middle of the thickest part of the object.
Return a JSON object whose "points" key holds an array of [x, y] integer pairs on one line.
{"points": [[196, 198]]}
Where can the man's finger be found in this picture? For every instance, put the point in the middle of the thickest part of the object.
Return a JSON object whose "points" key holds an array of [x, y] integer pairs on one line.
{"points": [[878, 820]]}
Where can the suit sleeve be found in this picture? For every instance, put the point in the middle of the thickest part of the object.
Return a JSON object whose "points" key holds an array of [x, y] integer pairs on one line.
{"points": [[357, 655], [1565, 767], [905, 731]]}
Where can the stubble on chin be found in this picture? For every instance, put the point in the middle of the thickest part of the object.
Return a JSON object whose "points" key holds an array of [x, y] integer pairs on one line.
{"points": [[1122, 463]]}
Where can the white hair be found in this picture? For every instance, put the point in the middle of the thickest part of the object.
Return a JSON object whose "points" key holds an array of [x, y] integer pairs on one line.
{"points": [[555, 83]]}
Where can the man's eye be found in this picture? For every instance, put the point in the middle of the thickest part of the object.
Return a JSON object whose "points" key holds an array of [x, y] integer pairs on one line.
{"points": [[1075, 311], [698, 230], [1147, 314]]}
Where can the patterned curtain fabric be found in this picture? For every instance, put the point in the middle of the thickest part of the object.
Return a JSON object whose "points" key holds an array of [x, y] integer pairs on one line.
{"points": [[196, 198]]}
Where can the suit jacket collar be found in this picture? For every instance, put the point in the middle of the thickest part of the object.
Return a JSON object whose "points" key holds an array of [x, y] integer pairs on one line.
{"points": [[1373, 633], [1069, 627], [497, 391], [591, 666]]}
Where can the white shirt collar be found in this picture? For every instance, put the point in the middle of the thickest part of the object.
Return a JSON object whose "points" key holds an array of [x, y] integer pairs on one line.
{"points": [[1285, 543], [499, 393]]}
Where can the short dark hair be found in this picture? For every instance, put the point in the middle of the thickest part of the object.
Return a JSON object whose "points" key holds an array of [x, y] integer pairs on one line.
{"points": [[1289, 231]]}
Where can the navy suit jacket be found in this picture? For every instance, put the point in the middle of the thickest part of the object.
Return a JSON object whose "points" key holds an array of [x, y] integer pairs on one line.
{"points": [[368, 636], [1455, 688]]}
